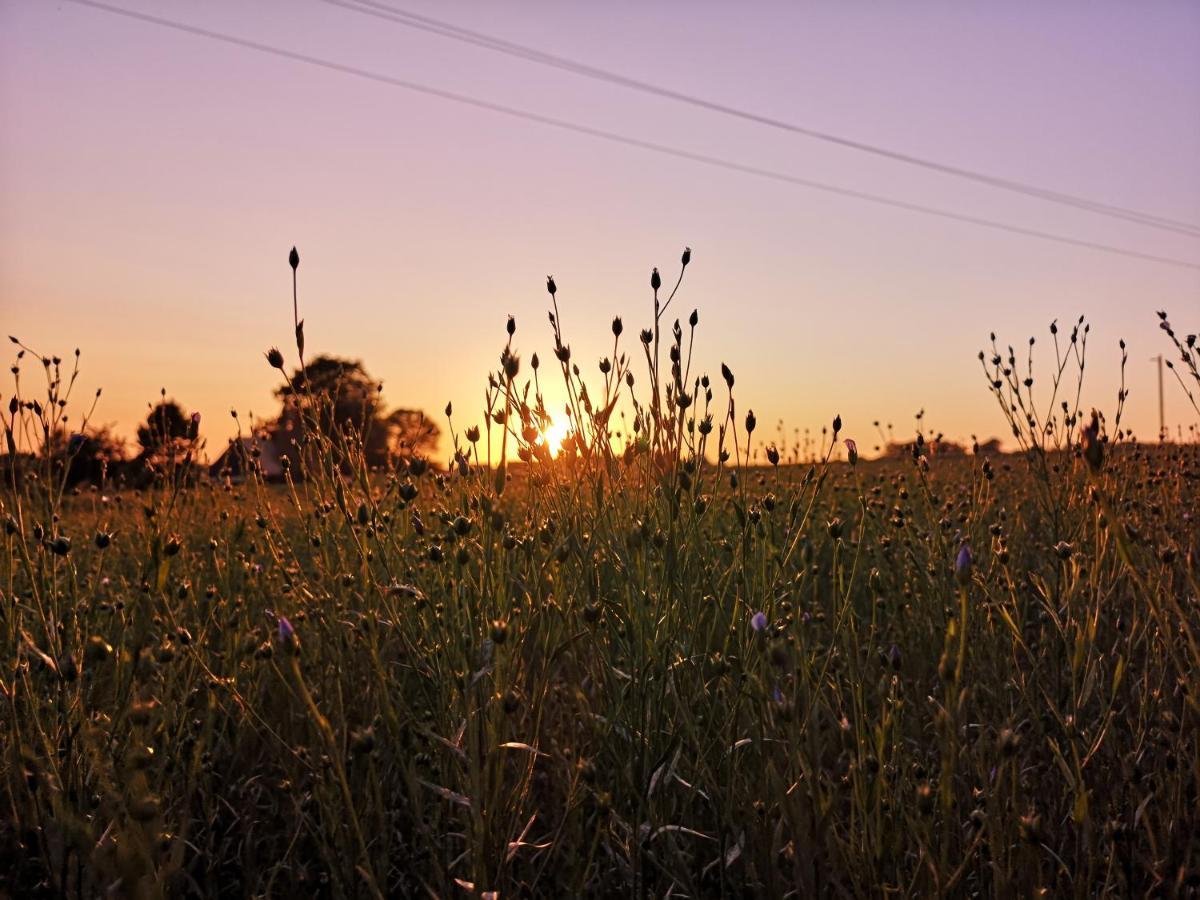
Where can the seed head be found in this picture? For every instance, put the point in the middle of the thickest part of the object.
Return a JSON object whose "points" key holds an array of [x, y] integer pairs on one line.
{"points": [[275, 358], [1093, 448], [655, 280], [294, 259], [551, 286]]}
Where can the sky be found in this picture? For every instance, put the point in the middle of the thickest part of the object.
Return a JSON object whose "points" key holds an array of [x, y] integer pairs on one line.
{"points": [[152, 183]]}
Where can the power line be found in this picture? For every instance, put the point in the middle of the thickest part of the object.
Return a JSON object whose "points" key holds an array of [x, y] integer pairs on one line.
{"points": [[614, 137], [448, 30]]}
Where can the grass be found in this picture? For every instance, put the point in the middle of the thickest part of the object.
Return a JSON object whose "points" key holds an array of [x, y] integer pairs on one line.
{"points": [[552, 678]]}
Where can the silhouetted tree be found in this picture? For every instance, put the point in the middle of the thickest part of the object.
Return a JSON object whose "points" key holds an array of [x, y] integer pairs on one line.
{"points": [[411, 433], [168, 435], [345, 402], [90, 456]]}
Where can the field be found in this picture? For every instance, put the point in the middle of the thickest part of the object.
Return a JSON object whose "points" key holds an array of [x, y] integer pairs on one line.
{"points": [[643, 671]]}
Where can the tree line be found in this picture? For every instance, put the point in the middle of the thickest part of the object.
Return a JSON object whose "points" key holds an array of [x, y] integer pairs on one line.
{"points": [[335, 394]]}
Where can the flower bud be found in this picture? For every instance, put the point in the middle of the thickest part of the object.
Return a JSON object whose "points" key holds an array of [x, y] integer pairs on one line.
{"points": [[962, 564]]}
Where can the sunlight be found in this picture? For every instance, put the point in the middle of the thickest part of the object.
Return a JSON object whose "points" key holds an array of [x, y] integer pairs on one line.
{"points": [[555, 433]]}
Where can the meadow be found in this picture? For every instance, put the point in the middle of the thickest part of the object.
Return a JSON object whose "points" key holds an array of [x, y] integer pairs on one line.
{"points": [[679, 664]]}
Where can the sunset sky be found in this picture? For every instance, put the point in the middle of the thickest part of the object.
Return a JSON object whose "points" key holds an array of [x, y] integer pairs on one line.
{"points": [[153, 181]]}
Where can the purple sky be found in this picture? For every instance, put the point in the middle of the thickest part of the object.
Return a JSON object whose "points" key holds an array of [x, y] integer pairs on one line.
{"points": [[151, 184]]}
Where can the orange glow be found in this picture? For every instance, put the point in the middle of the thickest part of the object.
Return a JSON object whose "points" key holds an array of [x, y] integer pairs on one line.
{"points": [[554, 435]]}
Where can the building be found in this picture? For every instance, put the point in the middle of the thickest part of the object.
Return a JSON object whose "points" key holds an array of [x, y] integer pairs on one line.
{"points": [[244, 455]]}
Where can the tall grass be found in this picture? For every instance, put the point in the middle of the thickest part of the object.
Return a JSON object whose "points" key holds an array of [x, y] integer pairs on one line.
{"points": [[642, 668]]}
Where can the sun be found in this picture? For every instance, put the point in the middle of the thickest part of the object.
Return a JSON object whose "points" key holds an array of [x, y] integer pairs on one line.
{"points": [[554, 434]]}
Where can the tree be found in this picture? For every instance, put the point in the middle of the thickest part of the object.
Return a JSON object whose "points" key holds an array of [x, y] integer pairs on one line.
{"points": [[90, 456], [168, 434], [344, 401], [411, 434]]}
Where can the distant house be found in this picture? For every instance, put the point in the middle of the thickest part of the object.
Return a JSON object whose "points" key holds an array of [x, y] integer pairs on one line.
{"points": [[244, 455]]}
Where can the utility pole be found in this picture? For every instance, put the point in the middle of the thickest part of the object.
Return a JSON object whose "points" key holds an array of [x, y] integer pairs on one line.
{"points": [[1162, 419]]}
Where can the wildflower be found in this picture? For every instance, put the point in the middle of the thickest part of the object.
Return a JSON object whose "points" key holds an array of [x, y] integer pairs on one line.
{"points": [[294, 259], [511, 326], [551, 286], [773, 455], [617, 327], [851, 451], [962, 564], [694, 318], [275, 358], [687, 256], [750, 422], [837, 425], [287, 636], [894, 658], [655, 280], [759, 622], [727, 375], [512, 364]]}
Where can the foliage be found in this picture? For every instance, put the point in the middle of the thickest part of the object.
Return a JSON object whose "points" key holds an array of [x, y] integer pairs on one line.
{"points": [[340, 400]]}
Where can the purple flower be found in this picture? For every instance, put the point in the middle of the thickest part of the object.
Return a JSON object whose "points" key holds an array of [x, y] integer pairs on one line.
{"points": [[893, 657], [287, 637], [777, 695], [851, 451], [759, 622], [962, 564]]}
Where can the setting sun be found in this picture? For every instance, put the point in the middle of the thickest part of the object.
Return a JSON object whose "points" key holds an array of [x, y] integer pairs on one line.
{"points": [[554, 435]]}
